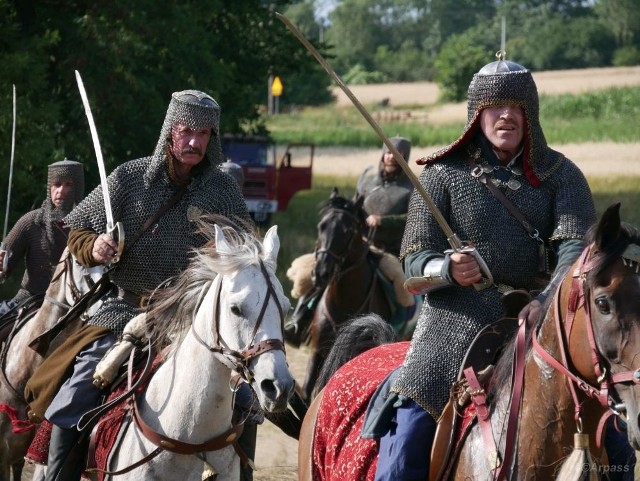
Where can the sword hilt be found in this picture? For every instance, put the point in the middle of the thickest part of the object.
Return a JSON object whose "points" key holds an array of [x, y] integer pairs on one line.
{"points": [[487, 278], [118, 230]]}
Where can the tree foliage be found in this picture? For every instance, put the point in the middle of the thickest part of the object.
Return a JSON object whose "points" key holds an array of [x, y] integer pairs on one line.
{"points": [[131, 57]]}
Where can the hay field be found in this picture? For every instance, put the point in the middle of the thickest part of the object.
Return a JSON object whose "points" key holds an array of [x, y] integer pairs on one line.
{"points": [[621, 159]]}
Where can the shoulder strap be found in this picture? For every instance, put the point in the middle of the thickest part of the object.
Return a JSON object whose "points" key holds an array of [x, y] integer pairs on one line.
{"points": [[150, 221], [513, 210]]}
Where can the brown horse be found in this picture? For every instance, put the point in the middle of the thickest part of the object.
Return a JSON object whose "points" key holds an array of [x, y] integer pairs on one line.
{"points": [[18, 361], [580, 361], [347, 270]]}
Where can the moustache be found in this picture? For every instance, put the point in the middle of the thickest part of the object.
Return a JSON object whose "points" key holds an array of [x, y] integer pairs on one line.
{"points": [[191, 150]]}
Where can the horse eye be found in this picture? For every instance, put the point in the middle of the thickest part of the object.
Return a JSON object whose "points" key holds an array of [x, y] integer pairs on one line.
{"points": [[235, 310], [602, 303]]}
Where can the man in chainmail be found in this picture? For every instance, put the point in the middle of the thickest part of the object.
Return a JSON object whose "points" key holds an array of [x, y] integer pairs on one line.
{"points": [[39, 237], [503, 139], [386, 197], [386, 194], [183, 175]]}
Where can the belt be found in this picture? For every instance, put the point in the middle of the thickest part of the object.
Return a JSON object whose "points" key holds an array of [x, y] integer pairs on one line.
{"points": [[133, 299]]}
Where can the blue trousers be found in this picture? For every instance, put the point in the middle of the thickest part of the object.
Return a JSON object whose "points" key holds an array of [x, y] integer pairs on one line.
{"points": [[405, 450], [622, 457]]}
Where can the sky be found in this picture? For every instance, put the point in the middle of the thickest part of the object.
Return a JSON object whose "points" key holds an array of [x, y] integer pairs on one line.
{"points": [[324, 8]]}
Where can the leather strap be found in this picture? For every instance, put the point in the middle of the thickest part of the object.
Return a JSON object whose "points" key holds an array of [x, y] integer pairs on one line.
{"points": [[479, 398], [150, 221], [513, 210]]}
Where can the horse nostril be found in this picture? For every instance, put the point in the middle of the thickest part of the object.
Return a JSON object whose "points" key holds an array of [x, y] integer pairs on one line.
{"points": [[268, 388]]}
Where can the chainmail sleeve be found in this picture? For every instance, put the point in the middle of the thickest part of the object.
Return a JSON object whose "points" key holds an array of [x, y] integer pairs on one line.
{"points": [[17, 241], [422, 230], [574, 208]]}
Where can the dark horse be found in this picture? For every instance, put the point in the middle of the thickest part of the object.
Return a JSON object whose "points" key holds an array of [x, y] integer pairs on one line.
{"points": [[579, 360], [347, 271]]}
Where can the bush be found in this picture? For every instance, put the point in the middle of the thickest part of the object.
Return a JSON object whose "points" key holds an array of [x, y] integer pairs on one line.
{"points": [[626, 56]]}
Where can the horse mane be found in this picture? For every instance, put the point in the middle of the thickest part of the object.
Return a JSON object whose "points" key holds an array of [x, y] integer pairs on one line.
{"points": [[174, 304], [358, 335], [628, 234]]}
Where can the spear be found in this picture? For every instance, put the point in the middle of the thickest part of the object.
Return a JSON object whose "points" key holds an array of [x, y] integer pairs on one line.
{"points": [[6, 215]]}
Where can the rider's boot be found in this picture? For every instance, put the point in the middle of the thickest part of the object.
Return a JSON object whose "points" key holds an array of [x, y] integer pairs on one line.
{"points": [[65, 462], [296, 330]]}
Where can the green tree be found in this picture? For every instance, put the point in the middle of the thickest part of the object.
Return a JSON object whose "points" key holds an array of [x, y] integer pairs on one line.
{"points": [[131, 57], [461, 56]]}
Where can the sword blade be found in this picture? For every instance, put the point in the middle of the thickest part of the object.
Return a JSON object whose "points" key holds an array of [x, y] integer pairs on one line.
{"points": [[98, 150], [452, 238], [13, 151]]}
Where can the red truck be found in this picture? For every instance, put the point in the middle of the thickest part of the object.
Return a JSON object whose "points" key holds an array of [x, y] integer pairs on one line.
{"points": [[269, 182]]}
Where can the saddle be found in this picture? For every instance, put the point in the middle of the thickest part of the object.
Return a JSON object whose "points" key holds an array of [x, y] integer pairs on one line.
{"points": [[483, 353]]}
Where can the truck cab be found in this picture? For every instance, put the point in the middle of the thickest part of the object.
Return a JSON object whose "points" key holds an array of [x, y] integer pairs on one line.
{"points": [[269, 181]]}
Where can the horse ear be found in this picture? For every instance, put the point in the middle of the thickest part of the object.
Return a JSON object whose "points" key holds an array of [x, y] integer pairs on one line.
{"points": [[608, 229], [271, 244], [334, 193], [221, 242]]}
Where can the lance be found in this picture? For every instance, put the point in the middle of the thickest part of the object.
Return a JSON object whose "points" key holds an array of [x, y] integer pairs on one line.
{"points": [[414, 283], [5, 259], [115, 230]]}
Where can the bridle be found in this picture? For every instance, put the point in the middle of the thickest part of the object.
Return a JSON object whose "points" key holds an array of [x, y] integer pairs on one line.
{"points": [[579, 299], [355, 229], [239, 360]]}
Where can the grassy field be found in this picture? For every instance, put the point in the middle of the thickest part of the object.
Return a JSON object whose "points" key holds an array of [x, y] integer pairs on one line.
{"points": [[604, 115]]}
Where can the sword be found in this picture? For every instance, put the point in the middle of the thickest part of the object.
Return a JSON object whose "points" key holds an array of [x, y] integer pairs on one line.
{"points": [[456, 244], [5, 259], [112, 228]]}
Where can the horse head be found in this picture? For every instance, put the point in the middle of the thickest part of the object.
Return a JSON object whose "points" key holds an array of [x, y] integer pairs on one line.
{"points": [[598, 313], [252, 307], [612, 293], [340, 241]]}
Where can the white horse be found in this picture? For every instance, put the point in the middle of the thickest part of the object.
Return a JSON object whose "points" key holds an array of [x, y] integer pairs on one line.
{"points": [[18, 361], [225, 314]]}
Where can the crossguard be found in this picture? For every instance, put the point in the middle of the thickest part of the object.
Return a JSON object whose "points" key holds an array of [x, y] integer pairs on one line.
{"points": [[118, 229], [487, 278]]}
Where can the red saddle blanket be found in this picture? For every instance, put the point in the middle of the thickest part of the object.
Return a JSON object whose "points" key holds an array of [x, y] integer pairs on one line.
{"points": [[338, 450], [105, 433]]}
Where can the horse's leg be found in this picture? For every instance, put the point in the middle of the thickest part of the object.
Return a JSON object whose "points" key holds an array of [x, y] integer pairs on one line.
{"points": [[313, 368], [322, 336], [16, 469]]}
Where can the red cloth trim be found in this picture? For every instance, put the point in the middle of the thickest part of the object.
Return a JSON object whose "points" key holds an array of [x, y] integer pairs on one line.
{"points": [[338, 450]]}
